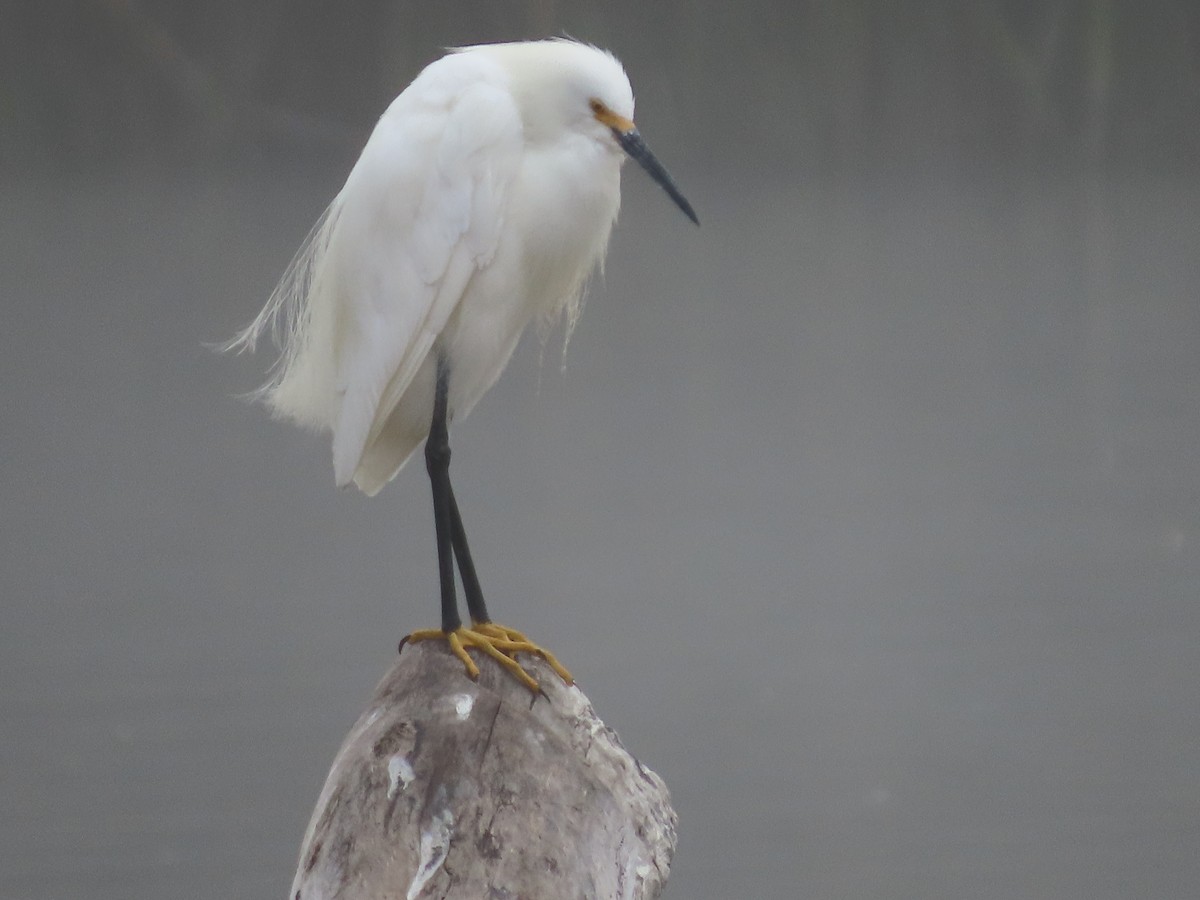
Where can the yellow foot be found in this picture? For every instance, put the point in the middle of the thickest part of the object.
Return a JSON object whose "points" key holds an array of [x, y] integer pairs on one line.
{"points": [[511, 642], [500, 643]]}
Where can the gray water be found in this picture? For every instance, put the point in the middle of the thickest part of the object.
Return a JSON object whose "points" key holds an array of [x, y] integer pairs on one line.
{"points": [[868, 516]]}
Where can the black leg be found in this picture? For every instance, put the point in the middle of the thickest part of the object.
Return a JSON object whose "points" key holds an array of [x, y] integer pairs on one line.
{"points": [[437, 462], [499, 643], [466, 568]]}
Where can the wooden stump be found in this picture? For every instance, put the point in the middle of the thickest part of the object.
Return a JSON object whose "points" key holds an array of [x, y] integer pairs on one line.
{"points": [[450, 788]]}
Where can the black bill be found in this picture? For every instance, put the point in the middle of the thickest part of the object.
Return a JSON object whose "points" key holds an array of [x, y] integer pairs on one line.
{"points": [[631, 142]]}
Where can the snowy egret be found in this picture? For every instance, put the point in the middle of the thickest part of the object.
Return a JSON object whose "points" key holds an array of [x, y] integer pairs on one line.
{"points": [[483, 199]]}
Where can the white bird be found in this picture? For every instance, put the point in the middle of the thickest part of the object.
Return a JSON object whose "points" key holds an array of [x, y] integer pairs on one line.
{"points": [[482, 201]]}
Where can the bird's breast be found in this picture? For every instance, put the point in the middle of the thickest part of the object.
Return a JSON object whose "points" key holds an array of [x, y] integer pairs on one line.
{"points": [[557, 221], [564, 204]]}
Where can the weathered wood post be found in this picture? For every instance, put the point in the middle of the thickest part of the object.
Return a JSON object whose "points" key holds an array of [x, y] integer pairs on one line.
{"points": [[450, 788]]}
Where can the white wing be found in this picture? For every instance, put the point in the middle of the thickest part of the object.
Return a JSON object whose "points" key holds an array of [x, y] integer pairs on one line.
{"points": [[420, 213]]}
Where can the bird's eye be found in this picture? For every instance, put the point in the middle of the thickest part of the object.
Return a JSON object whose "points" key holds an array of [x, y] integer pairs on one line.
{"points": [[597, 107]]}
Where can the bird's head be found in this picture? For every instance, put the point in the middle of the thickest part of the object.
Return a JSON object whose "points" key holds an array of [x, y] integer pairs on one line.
{"points": [[563, 86]]}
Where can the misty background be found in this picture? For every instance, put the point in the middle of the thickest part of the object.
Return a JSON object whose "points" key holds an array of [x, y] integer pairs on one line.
{"points": [[868, 514]]}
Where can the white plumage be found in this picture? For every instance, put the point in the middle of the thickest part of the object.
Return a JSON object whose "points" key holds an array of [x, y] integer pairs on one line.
{"points": [[483, 200]]}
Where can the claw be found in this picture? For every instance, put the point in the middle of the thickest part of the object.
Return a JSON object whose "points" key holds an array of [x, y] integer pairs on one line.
{"points": [[511, 642], [500, 643]]}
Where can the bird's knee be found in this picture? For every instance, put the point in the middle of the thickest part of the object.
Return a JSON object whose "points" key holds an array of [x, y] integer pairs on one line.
{"points": [[437, 455]]}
